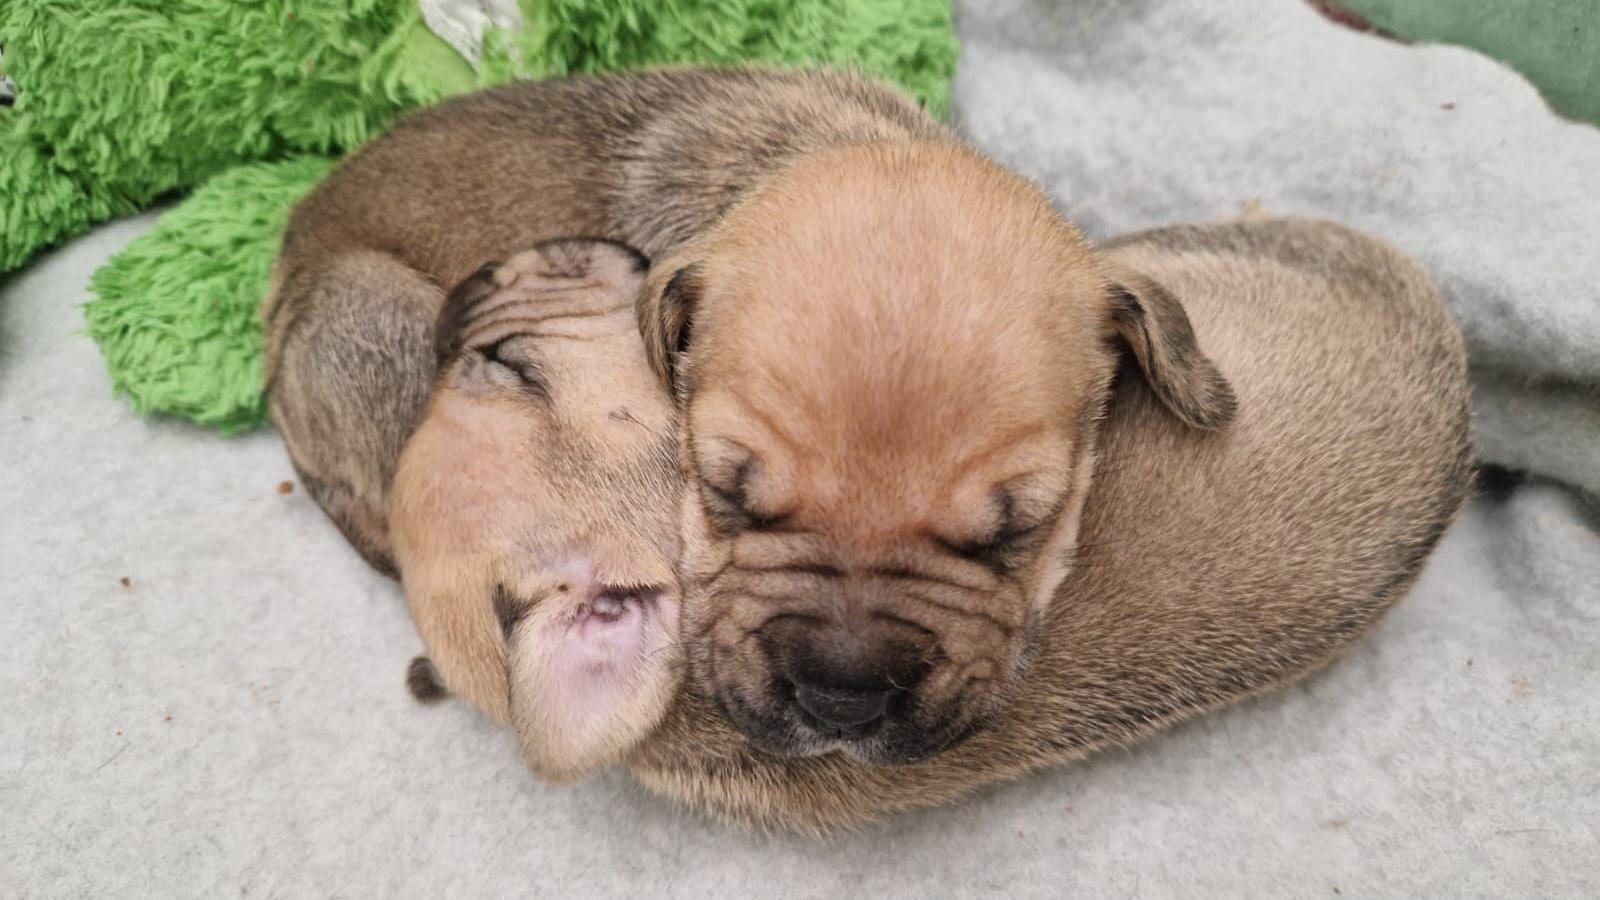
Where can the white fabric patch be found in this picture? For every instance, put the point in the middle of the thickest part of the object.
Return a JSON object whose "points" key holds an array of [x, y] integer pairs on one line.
{"points": [[8, 88], [463, 23]]}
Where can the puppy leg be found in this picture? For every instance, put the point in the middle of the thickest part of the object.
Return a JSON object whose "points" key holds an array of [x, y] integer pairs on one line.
{"points": [[350, 363]]}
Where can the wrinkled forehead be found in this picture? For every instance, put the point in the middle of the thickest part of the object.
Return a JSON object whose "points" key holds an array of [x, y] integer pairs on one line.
{"points": [[546, 425]]}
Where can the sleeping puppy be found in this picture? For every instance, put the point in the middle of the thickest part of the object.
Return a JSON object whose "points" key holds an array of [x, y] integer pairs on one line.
{"points": [[542, 478], [901, 355], [1208, 568], [893, 359], [1206, 571]]}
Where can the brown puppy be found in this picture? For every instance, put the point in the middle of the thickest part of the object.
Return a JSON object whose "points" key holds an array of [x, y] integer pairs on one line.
{"points": [[926, 628], [657, 159], [893, 359], [542, 477], [1208, 569], [649, 159]]}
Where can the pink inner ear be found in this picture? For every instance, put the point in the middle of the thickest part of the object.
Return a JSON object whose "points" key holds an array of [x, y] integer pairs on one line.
{"points": [[593, 682]]}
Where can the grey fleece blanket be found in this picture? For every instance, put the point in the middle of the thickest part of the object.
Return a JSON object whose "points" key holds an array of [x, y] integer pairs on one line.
{"points": [[200, 686]]}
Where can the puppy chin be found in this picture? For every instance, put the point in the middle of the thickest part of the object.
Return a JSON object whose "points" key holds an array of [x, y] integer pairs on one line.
{"points": [[777, 730]]}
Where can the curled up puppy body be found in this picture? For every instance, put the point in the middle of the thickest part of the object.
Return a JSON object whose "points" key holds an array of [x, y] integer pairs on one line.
{"points": [[954, 477], [1203, 574], [899, 354], [1208, 568]]}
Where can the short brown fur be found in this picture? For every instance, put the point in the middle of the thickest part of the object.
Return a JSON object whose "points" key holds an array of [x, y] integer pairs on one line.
{"points": [[1210, 566], [1209, 570], [648, 159], [897, 360]]}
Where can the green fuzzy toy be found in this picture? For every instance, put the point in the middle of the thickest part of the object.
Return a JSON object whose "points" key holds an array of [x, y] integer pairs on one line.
{"points": [[121, 103]]}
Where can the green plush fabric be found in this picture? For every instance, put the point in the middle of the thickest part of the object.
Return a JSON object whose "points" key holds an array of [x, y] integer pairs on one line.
{"points": [[121, 103], [179, 316], [909, 42]]}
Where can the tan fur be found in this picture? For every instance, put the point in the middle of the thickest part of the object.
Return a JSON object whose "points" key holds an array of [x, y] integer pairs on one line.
{"points": [[1209, 568], [649, 159], [1203, 567], [899, 352], [540, 480]]}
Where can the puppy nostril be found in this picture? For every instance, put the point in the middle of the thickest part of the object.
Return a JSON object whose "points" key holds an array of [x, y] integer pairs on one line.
{"points": [[842, 707]]}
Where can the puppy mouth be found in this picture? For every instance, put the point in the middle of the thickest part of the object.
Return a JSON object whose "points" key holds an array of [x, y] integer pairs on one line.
{"points": [[779, 728], [611, 604], [614, 610], [592, 673]]}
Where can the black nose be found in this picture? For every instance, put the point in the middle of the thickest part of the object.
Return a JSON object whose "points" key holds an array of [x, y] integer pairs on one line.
{"points": [[852, 712], [846, 681]]}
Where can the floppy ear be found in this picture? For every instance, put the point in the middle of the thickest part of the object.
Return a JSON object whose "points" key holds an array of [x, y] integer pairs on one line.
{"points": [[1152, 322], [665, 310]]}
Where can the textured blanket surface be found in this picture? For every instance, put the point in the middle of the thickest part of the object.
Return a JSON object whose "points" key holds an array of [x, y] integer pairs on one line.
{"points": [[230, 720]]}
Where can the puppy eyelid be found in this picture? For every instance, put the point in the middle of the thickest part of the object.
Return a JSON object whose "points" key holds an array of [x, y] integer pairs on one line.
{"points": [[1000, 553], [730, 514], [1009, 539], [728, 506], [528, 371], [1028, 514]]}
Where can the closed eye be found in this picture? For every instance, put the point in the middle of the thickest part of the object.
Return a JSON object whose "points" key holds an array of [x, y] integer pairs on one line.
{"points": [[1018, 536], [511, 362], [729, 512], [1001, 553], [726, 500]]}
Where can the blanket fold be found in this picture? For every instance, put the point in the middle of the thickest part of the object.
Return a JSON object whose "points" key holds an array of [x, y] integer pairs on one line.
{"points": [[1138, 113]]}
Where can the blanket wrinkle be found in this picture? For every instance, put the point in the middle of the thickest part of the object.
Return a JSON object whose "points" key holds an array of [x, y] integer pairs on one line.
{"points": [[202, 690]]}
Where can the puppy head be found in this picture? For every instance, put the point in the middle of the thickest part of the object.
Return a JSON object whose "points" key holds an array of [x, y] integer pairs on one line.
{"points": [[532, 509], [891, 361]]}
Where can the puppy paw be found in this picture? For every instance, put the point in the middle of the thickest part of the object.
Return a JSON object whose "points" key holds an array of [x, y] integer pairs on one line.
{"points": [[422, 679]]}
